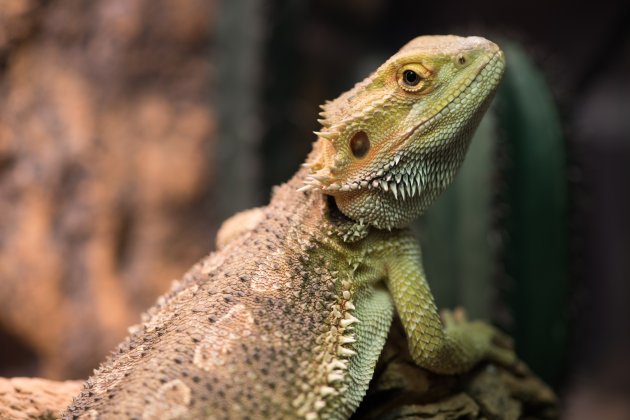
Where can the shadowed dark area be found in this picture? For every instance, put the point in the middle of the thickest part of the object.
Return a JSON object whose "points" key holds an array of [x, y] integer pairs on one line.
{"points": [[16, 357]]}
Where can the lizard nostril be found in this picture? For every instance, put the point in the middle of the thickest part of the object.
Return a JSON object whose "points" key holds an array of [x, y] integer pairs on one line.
{"points": [[359, 144]]}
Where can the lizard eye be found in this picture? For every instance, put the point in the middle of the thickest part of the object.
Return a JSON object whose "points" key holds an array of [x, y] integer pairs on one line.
{"points": [[359, 144], [412, 77]]}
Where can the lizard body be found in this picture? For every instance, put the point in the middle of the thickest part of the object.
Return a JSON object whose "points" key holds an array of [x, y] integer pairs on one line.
{"points": [[287, 319]]}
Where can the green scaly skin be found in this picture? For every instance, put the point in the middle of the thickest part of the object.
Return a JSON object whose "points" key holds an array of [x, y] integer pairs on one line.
{"points": [[287, 319]]}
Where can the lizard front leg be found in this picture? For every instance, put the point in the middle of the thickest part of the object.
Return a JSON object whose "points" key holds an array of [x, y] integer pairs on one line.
{"points": [[447, 349]]}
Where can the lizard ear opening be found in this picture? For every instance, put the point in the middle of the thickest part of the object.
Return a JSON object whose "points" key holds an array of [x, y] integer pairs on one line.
{"points": [[359, 144]]}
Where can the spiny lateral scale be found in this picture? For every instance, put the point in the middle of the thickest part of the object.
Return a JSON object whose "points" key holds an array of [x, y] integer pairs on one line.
{"points": [[288, 317]]}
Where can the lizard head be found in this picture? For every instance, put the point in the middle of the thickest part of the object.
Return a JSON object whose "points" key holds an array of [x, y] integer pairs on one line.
{"points": [[393, 142]]}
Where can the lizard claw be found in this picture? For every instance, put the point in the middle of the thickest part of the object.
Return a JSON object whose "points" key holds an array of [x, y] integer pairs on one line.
{"points": [[447, 318], [460, 315], [454, 317], [503, 340]]}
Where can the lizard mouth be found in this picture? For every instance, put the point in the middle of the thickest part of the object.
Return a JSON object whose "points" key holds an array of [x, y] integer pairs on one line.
{"points": [[406, 177]]}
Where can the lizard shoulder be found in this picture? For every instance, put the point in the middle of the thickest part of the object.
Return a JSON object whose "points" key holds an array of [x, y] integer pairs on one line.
{"points": [[237, 225]]}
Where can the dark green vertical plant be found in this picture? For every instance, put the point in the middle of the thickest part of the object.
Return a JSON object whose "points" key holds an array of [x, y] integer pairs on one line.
{"points": [[536, 191]]}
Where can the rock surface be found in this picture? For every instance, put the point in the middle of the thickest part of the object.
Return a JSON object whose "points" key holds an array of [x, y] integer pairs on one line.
{"points": [[34, 398], [106, 179]]}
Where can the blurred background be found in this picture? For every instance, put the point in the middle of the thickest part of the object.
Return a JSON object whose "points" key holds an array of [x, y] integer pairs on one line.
{"points": [[129, 129]]}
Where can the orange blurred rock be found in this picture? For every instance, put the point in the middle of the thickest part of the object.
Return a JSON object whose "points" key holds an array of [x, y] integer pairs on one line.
{"points": [[29, 398], [106, 148]]}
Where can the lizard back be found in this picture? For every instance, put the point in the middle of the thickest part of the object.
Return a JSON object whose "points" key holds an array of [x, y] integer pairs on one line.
{"points": [[263, 328]]}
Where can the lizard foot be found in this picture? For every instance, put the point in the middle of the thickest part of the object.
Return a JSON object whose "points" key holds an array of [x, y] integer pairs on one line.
{"points": [[499, 346]]}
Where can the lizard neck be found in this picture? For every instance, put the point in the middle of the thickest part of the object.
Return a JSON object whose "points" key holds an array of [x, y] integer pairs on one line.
{"points": [[321, 208]]}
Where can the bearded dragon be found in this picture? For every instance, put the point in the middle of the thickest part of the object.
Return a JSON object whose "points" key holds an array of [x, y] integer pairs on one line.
{"points": [[288, 317]]}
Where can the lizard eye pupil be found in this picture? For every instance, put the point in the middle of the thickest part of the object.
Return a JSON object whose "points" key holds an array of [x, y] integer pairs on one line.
{"points": [[461, 60], [359, 144], [411, 78]]}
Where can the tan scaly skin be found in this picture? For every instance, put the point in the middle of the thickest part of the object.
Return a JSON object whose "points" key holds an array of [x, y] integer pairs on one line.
{"points": [[287, 319]]}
